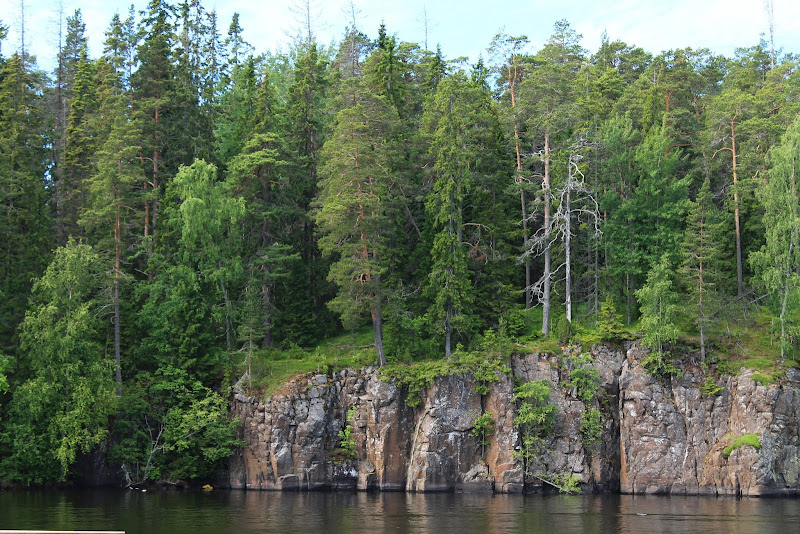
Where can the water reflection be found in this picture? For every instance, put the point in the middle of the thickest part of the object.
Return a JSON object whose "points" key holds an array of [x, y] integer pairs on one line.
{"points": [[240, 512]]}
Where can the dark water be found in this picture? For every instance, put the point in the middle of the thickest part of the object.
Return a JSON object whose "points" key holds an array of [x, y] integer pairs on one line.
{"points": [[241, 512]]}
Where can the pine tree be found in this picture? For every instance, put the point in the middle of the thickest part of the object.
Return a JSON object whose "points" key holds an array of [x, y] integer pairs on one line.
{"points": [[354, 215], [508, 52], [114, 188], [548, 95]]}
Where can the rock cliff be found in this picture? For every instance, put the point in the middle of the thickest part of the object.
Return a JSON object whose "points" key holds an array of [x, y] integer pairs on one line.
{"points": [[659, 435]]}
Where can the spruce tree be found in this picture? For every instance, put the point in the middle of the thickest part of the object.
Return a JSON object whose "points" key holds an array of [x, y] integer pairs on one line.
{"points": [[658, 300], [81, 144], [25, 224], [463, 204], [700, 260]]}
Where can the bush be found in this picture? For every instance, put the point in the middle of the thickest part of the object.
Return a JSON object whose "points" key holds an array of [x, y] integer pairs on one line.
{"points": [[417, 377], [583, 378], [710, 388], [760, 379], [535, 419], [564, 330], [759, 364], [483, 428], [512, 324], [591, 428], [660, 364], [609, 323]]}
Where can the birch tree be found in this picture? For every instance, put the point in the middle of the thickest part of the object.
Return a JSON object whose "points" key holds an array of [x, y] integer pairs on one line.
{"points": [[777, 264]]}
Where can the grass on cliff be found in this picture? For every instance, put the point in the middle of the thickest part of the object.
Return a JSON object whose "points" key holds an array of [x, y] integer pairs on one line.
{"points": [[751, 440], [747, 341], [272, 368]]}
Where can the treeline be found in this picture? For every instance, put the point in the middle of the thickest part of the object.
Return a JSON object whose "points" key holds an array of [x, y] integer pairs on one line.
{"points": [[181, 202]]}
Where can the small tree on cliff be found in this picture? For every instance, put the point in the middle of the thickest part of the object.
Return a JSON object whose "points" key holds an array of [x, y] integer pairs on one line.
{"points": [[535, 420], [658, 304]]}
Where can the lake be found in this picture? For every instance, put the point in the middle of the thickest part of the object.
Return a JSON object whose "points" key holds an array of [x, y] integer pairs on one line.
{"points": [[240, 512]]}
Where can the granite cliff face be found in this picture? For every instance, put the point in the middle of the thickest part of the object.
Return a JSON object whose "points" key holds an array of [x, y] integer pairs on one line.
{"points": [[659, 435]]}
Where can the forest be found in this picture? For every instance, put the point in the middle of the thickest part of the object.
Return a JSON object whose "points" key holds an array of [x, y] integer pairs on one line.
{"points": [[184, 208]]}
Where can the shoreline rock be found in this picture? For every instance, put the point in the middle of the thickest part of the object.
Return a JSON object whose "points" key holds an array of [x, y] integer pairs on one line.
{"points": [[660, 435]]}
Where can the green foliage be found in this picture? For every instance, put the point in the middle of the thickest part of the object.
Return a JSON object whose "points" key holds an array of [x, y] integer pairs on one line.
{"points": [[709, 388], [347, 443], [777, 264], [609, 323], [761, 379], [564, 330], [396, 189], [25, 221], [346, 450], [759, 364], [5, 367], [660, 364], [701, 256], [752, 440], [565, 482], [483, 428], [535, 419], [187, 310], [591, 428], [658, 302], [492, 342], [171, 426], [417, 377], [63, 404], [583, 377], [513, 324], [448, 282], [356, 204]]}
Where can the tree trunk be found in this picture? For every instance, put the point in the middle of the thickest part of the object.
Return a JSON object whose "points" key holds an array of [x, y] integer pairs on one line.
{"points": [[546, 191], [117, 254], [448, 331], [377, 325], [266, 294], [739, 277], [266, 299], [702, 318], [567, 251], [523, 208]]}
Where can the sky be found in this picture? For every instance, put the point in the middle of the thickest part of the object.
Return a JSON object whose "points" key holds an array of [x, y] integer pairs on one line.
{"points": [[463, 27]]}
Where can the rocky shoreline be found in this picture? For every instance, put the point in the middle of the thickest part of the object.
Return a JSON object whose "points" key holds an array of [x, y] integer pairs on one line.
{"points": [[659, 435]]}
